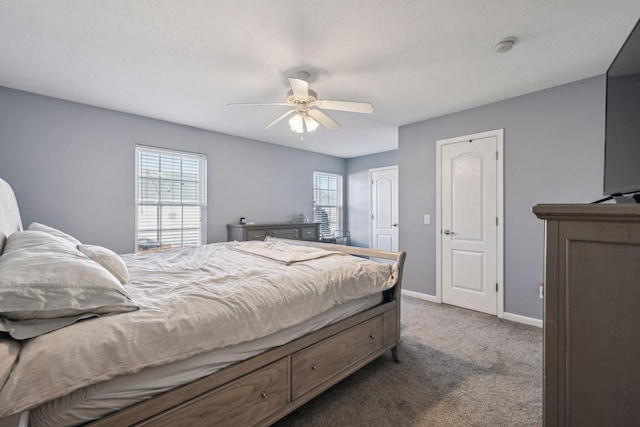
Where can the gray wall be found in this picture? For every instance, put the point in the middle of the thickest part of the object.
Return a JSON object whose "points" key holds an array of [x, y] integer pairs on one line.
{"points": [[554, 153], [358, 189], [72, 167]]}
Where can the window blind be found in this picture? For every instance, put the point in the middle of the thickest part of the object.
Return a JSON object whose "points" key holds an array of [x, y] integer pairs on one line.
{"points": [[328, 202], [171, 199]]}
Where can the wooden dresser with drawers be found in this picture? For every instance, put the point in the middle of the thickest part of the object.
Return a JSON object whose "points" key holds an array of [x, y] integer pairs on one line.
{"points": [[287, 230]]}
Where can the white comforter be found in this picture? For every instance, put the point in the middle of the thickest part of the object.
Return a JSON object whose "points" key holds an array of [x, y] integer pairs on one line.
{"points": [[192, 300]]}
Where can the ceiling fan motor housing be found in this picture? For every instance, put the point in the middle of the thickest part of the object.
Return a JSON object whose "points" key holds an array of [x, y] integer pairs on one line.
{"points": [[297, 101]]}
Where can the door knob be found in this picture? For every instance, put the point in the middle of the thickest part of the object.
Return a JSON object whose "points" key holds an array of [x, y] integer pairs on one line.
{"points": [[448, 233], [395, 224]]}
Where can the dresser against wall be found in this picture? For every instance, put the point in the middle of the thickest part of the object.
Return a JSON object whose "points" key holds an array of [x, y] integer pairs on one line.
{"points": [[591, 314], [297, 231]]}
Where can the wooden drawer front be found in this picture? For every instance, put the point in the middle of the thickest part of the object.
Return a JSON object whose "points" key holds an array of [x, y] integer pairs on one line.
{"points": [[309, 233], [243, 402], [256, 234], [284, 233], [316, 364]]}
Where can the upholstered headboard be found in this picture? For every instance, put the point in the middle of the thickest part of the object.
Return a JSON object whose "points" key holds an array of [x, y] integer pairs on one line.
{"points": [[10, 221]]}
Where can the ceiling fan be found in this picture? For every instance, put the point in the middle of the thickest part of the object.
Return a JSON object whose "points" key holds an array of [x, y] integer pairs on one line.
{"points": [[307, 107]]}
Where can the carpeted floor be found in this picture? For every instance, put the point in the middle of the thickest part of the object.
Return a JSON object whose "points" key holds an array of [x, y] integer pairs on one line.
{"points": [[460, 368]]}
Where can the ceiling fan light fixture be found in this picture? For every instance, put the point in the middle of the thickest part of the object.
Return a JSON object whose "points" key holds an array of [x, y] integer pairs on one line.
{"points": [[301, 122], [310, 123], [296, 123]]}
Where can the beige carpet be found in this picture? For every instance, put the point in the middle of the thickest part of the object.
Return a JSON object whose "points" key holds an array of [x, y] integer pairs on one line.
{"points": [[459, 368]]}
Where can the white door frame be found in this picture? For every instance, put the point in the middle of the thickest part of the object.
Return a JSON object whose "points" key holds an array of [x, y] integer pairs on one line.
{"points": [[499, 134], [371, 171]]}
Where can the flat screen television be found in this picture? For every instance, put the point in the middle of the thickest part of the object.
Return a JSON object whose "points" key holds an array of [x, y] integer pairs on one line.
{"points": [[622, 128]]}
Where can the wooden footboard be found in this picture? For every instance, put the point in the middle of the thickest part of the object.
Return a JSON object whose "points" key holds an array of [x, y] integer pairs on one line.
{"points": [[266, 387]]}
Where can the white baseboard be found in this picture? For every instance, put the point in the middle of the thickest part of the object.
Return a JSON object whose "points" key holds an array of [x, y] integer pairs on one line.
{"points": [[420, 295], [523, 319]]}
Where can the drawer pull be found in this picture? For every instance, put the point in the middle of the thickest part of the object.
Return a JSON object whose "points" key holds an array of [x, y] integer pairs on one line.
{"points": [[256, 236], [372, 336], [314, 367], [264, 394]]}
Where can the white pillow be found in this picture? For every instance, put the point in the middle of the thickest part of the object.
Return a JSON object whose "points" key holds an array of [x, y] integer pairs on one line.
{"points": [[48, 284], [108, 259], [36, 226]]}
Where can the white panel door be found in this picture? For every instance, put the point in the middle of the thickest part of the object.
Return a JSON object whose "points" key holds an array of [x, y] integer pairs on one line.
{"points": [[469, 224], [384, 209]]}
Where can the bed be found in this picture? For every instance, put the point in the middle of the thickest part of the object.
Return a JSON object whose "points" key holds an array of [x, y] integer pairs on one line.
{"points": [[289, 320]]}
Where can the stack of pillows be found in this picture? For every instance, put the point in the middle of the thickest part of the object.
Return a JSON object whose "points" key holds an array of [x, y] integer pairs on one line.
{"points": [[49, 280]]}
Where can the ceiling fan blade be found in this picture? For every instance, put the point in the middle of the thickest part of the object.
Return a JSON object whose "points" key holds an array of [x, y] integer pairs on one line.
{"points": [[353, 107], [280, 118], [242, 104], [324, 120], [300, 87]]}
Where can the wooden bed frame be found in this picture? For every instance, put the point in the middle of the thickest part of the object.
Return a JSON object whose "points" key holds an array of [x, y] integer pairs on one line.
{"points": [[266, 387]]}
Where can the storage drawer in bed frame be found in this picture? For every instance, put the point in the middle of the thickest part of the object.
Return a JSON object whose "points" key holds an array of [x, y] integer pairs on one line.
{"points": [[243, 402], [316, 364]]}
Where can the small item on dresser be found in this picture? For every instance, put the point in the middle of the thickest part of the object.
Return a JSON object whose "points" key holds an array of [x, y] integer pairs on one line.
{"points": [[243, 220]]}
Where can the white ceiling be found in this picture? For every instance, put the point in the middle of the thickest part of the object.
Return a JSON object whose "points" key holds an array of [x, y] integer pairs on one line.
{"points": [[183, 61]]}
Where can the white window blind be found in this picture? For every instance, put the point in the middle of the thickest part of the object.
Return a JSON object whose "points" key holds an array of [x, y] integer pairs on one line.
{"points": [[327, 202], [171, 199]]}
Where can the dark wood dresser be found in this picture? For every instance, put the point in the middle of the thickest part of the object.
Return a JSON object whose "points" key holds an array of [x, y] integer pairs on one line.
{"points": [[591, 315], [297, 231]]}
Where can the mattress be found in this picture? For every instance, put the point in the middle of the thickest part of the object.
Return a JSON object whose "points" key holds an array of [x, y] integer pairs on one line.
{"points": [[98, 400], [192, 301]]}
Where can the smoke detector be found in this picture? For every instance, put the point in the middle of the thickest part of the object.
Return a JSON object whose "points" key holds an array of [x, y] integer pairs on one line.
{"points": [[504, 45]]}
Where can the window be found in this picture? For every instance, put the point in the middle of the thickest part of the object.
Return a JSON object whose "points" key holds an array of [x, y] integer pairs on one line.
{"points": [[327, 202], [171, 199]]}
